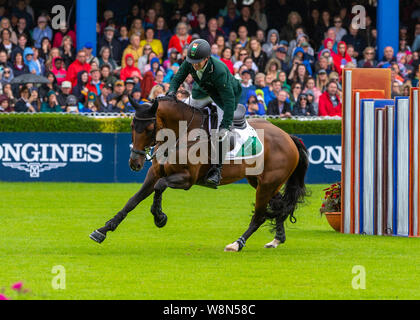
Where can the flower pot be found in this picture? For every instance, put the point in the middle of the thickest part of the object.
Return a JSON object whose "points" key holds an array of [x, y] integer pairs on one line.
{"points": [[334, 219]]}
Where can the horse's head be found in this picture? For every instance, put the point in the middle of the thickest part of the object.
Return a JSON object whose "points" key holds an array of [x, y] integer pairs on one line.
{"points": [[143, 133]]}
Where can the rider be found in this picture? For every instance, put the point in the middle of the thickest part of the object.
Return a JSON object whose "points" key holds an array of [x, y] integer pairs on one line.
{"points": [[212, 82]]}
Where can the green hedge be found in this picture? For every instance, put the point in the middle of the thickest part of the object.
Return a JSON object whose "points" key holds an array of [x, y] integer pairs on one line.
{"points": [[77, 123]]}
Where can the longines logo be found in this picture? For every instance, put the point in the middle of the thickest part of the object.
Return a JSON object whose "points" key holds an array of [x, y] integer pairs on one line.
{"points": [[36, 158], [327, 155]]}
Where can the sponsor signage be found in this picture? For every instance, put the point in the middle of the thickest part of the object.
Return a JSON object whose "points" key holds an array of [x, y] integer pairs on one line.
{"points": [[102, 157]]}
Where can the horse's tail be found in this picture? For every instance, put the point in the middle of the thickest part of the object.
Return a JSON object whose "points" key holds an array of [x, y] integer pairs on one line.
{"points": [[283, 204]]}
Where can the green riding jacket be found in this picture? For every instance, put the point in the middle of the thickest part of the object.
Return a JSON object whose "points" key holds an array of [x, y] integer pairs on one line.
{"points": [[216, 82]]}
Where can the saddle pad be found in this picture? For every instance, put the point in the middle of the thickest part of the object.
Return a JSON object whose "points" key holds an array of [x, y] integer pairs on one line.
{"points": [[247, 144]]}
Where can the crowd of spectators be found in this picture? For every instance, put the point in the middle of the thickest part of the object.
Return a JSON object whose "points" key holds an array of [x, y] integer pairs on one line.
{"points": [[287, 66]]}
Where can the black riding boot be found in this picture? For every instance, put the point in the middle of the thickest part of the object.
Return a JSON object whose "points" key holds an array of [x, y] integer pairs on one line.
{"points": [[214, 176], [215, 173]]}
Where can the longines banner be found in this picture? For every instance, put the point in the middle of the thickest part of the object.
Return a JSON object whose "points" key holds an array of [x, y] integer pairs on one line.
{"points": [[101, 157]]}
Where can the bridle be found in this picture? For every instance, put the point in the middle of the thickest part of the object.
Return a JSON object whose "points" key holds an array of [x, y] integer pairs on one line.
{"points": [[136, 154]]}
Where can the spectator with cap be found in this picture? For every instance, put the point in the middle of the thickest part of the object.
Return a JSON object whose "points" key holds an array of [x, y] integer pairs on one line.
{"points": [[41, 31], [108, 40], [103, 98], [279, 106], [71, 105], [78, 65], [329, 101], [322, 80], [129, 85], [112, 103], [65, 91], [89, 56], [281, 57], [119, 88], [91, 104], [51, 105]]}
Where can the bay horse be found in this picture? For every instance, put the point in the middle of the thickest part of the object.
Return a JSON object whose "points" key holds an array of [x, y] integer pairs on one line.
{"points": [[285, 162]]}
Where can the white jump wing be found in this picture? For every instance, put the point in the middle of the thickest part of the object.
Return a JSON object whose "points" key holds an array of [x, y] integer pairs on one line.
{"points": [[23, 166]]}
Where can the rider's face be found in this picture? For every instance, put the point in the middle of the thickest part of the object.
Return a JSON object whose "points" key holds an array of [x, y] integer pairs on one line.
{"points": [[200, 65]]}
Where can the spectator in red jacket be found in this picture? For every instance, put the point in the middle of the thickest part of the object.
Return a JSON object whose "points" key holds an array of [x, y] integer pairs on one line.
{"points": [[78, 65], [129, 71], [329, 101], [95, 85], [341, 58], [181, 39], [61, 33]]}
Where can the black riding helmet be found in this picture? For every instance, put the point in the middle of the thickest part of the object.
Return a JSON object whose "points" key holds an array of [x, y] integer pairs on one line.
{"points": [[198, 50]]}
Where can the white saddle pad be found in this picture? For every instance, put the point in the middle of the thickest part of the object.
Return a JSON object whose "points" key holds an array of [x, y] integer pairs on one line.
{"points": [[247, 144]]}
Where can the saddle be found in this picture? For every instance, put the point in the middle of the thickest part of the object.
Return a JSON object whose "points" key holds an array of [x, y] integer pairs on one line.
{"points": [[239, 120]]}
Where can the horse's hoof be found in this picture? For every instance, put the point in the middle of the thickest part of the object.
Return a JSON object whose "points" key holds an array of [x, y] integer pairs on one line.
{"points": [[233, 247], [272, 244], [161, 221], [97, 236]]}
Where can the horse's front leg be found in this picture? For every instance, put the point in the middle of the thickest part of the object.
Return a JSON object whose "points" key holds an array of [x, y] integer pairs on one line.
{"points": [[180, 180], [146, 190]]}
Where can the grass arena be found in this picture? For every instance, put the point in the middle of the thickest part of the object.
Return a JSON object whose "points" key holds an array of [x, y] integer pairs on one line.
{"points": [[47, 224]]}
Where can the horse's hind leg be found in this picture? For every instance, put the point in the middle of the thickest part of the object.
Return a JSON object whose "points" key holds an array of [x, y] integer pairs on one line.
{"points": [[263, 196], [176, 181], [280, 236]]}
